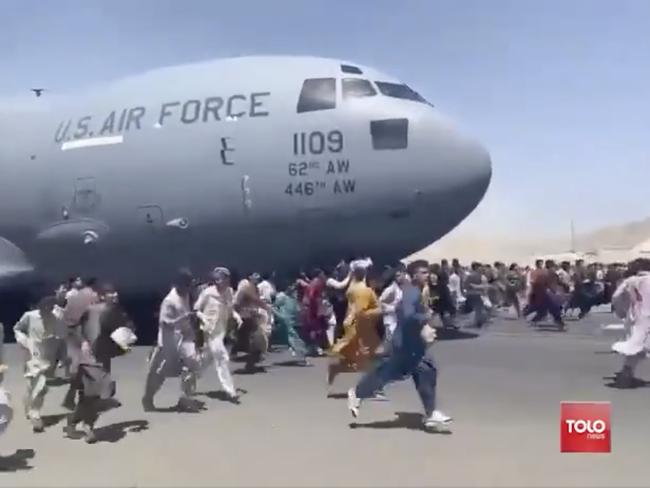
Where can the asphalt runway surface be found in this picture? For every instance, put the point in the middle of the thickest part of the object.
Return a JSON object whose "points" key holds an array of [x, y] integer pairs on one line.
{"points": [[503, 387]]}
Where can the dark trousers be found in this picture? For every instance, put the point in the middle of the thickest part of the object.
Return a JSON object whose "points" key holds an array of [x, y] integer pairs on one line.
{"points": [[340, 308], [512, 299], [87, 410], [60, 355], [549, 304], [88, 407], [582, 299], [251, 340], [70, 395], [397, 367], [445, 307], [477, 306]]}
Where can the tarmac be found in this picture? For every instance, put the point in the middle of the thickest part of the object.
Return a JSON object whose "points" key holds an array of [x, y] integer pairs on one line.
{"points": [[503, 385]]}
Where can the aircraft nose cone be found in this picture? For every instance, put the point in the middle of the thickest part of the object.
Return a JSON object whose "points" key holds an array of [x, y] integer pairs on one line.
{"points": [[449, 175], [463, 171], [454, 164], [461, 175], [479, 172]]}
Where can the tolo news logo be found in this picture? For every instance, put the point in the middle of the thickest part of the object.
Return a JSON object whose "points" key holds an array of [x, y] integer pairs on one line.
{"points": [[585, 427]]}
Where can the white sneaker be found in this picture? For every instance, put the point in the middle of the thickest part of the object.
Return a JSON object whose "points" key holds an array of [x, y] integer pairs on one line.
{"points": [[438, 421], [353, 403], [380, 396]]}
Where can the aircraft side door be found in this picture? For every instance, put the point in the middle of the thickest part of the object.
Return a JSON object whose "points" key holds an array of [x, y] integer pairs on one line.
{"points": [[85, 199]]}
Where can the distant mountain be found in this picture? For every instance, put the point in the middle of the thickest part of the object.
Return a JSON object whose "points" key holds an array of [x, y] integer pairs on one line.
{"points": [[489, 248]]}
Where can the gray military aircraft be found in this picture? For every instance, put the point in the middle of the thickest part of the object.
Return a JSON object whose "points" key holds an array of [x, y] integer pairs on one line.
{"points": [[252, 162]]}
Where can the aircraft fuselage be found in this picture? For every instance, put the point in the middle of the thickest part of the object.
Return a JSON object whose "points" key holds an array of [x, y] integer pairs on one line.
{"points": [[229, 162]]}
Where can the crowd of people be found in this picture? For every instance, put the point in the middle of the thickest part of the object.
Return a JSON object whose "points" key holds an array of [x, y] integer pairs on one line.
{"points": [[547, 288], [377, 322], [79, 328]]}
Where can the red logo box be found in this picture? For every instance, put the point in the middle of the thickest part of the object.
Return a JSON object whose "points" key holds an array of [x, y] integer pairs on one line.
{"points": [[585, 427]]}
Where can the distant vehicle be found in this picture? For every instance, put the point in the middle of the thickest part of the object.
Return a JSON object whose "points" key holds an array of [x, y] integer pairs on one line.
{"points": [[253, 162]]}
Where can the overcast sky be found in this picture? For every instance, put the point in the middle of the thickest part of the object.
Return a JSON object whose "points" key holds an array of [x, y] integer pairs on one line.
{"points": [[558, 91]]}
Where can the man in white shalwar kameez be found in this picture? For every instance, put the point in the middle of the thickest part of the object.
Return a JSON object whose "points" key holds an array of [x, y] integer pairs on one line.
{"points": [[6, 410], [175, 352], [456, 289], [267, 292], [631, 301], [389, 300], [3, 366], [215, 308], [36, 333], [60, 352]]}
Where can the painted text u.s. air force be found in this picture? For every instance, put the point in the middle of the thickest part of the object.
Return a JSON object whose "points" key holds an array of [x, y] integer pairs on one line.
{"points": [[205, 110]]}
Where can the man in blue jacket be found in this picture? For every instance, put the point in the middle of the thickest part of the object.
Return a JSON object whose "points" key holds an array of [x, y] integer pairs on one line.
{"points": [[411, 354]]}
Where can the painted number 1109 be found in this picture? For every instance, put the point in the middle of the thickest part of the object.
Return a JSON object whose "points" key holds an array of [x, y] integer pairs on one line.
{"points": [[317, 142]]}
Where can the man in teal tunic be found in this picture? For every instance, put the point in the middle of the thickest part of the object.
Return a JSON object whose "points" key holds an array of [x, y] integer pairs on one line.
{"points": [[286, 310]]}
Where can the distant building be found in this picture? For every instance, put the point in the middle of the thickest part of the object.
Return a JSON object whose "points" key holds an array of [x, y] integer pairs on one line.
{"points": [[605, 255], [611, 255], [642, 250]]}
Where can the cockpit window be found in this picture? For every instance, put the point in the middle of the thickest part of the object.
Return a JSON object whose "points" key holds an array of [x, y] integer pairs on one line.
{"points": [[317, 94], [357, 88], [389, 133], [397, 90], [348, 68]]}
